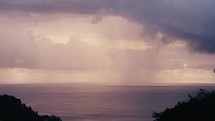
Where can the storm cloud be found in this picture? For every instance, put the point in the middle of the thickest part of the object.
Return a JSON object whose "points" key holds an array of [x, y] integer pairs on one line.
{"points": [[103, 40], [190, 21]]}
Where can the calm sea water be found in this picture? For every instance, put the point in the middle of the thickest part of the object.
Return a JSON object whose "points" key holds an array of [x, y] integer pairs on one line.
{"points": [[100, 103]]}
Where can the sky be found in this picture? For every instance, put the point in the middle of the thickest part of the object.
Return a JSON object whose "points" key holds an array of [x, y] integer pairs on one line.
{"points": [[123, 42]]}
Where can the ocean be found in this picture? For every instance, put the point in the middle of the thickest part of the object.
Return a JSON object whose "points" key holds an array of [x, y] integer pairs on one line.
{"points": [[99, 102]]}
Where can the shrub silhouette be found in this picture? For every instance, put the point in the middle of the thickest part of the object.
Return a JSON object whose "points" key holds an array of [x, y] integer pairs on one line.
{"points": [[12, 109], [200, 107]]}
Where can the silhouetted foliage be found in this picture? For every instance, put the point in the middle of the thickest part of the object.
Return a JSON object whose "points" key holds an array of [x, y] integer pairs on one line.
{"points": [[200, 107], [12, 109]]}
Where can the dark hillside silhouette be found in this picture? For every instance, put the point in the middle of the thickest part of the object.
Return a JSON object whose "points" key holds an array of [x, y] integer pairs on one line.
{"points": [[200, 107], [12, 109]]}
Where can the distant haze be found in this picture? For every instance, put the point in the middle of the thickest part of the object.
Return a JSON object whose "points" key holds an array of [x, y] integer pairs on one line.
{"points": [[131, 42]]}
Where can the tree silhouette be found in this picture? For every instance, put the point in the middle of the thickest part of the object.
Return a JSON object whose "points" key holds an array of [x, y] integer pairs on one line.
{"points": [[200, 107], [12, 109]]}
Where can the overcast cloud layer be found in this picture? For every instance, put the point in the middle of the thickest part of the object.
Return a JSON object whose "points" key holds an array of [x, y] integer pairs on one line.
{"points": [[109, 40], [192, 21]]}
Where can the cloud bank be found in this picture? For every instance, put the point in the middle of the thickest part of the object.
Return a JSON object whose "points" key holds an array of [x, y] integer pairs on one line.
{"points": [[106, 40], [191, 21]]}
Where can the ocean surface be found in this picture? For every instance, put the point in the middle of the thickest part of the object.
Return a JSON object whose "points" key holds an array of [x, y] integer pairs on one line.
{"points": [[100, 103]]}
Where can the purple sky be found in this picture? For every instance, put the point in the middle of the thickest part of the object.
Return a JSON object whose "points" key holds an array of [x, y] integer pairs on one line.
{"points": [[128, 42]]}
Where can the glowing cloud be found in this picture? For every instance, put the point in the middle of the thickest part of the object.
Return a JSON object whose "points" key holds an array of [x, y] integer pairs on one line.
{"points": [[107, 41]]}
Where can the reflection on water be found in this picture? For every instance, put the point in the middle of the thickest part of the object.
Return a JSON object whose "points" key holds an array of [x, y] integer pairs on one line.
{"points": [[99, 103]]}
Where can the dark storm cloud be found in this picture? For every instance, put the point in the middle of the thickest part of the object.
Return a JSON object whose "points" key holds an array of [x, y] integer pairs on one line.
{"points": [[189, 20], [53, 6]]}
